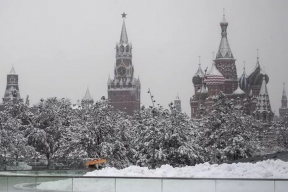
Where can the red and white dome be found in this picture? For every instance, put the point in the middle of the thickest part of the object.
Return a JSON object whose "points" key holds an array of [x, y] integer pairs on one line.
{"points": [[214, 77]]}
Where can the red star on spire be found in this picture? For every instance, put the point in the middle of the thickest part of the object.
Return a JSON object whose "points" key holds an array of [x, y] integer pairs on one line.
{"points": [[123, 15]]}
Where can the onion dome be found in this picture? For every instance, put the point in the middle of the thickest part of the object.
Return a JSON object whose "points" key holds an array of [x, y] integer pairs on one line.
{"points": [[238, 91], [243, 81], [214, 77], [256, 77], [198, 77], [223, 22]]}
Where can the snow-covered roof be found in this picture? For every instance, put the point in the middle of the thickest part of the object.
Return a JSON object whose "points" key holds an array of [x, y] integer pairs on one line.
{"points": [[214, 76], [238, 91], [214, 71]]}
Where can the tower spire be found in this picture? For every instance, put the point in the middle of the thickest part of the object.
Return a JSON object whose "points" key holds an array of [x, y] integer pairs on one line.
{"points": [[124, 36], [283, 109], [263, 90], [224, 50], [87, 95], [284, 91], [12, 71], [257, 57]]}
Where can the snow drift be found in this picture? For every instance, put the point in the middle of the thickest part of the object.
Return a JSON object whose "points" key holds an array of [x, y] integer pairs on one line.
{"points": [[264, 169]]}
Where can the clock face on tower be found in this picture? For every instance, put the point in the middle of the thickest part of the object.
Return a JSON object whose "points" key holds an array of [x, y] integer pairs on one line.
{"points": [[121, 71]]}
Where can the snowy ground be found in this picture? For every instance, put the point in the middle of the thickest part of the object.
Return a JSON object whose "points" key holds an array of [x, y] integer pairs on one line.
{"points": [[264, 169]]}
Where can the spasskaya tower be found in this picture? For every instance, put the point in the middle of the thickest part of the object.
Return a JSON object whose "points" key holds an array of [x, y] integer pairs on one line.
{"points": [[124, 90]]}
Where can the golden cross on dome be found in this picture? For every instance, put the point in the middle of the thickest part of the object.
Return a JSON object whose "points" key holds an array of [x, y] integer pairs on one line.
{"points": [[123, 15]]}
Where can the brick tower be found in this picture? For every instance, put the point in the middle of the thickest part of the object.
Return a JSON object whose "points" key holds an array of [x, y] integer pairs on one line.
{"points": [[12, 88], [124, 90]]}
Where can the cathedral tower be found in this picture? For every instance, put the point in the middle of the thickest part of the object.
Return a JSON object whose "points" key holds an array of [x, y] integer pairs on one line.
{"points": [[225, 61], [283, 110], [124, 89], [12, 88]]}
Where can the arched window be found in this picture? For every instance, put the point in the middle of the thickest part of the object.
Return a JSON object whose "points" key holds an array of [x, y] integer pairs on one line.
{"points": [[122, 48], [127, 48]]}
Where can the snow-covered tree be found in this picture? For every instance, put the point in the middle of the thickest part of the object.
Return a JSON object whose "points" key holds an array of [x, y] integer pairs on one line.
{"points": [[228, 134], [15, 119], [98, 132], [164, 136], [50, 120]]}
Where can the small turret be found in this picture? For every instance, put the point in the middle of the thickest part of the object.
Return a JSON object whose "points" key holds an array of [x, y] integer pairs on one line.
{"points": [[198, 77], [263, 110], [177, 103], [283, 110]]}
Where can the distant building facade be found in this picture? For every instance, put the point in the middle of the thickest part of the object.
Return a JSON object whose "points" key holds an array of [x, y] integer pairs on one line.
{"points": [[124, 90], [248, 93]]}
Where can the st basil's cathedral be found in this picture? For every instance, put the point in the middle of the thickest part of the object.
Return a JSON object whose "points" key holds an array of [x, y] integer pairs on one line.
{"points": [[248, 92]]}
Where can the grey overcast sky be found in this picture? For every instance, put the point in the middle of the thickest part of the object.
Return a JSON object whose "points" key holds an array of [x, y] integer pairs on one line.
{"points": [[59, 47]]}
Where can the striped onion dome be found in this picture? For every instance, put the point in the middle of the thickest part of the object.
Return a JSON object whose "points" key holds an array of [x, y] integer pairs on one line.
{"points": [[243, 81], [214, 77]]}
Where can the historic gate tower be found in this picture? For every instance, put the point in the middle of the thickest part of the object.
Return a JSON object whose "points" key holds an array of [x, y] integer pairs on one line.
{"points": [[12, 88], [124, 90]]}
